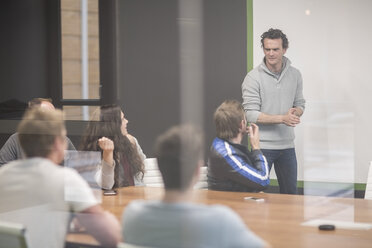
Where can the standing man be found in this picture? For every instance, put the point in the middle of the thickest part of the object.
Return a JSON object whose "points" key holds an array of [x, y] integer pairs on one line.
{"points": [[272, 98]]}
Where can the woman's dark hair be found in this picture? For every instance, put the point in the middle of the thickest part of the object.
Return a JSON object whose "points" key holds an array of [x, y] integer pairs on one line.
{"points": [[273, 34], [109, 125]]}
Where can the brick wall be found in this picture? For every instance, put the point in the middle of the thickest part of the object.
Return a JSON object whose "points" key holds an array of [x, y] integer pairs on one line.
{"points": [[71, 53]]}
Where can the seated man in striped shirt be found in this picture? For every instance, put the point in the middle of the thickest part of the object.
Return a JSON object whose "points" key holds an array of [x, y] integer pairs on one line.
{"points": [[232, 166]]}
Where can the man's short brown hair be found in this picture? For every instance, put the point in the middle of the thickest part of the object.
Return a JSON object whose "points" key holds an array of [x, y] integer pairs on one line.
{"points": [[273, 34], [38, 130], [227, 119], [179, 151]]}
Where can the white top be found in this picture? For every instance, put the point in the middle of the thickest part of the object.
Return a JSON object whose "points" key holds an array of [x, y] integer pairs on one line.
{"points": [[159, 224], [42, 195], [105, 176]]}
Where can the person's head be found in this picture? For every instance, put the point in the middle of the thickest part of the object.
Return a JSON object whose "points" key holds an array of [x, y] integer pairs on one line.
{"points": [[43, 134], [275, 44], [113, 118], [228, 119], [274, 34], [111, 123], [108, 121], [179, 152], [41, 102]]}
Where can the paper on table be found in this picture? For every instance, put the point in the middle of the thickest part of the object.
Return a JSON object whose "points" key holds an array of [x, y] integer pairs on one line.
{"points": [[339, 224]]}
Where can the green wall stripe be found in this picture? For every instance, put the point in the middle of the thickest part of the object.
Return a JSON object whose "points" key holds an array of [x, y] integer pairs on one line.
{"points": [[359, 186], [249, 42], [300, 184], [249, 35]]}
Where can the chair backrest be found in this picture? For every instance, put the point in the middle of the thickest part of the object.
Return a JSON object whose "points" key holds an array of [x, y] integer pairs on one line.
{"points": [[368, 193], [126, 245], [12, 235], [152, 176], [203, 182]]}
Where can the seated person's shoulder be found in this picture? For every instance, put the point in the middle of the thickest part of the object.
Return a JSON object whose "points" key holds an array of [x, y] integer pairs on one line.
{"points": [[221, 210], [137, 209], [14, 136], [219, 147], [137, 205], [132, 139]]}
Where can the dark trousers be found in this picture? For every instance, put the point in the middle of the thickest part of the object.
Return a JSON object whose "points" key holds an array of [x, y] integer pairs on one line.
{"points": [[285, 165]]}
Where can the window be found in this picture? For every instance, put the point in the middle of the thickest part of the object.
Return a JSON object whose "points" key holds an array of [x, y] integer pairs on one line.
{"points": [[80, 58]]}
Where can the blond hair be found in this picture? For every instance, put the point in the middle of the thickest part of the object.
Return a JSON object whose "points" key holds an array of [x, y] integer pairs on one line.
{"points": [[227, 119], [38, 130]]}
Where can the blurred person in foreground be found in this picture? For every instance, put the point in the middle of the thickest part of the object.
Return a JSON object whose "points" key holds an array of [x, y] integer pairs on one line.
{"points": [[175, 221], [42, 195], [12, 150], [231, 165]]}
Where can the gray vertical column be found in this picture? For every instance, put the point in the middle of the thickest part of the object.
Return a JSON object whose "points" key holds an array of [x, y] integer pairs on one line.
{"points": [[84, 57], [225, 55], [108, 41], [190, 23], [177, 60], [148, 67]]}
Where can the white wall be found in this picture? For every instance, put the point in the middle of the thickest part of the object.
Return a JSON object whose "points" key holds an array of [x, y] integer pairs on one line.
{"points": [[331, 46]]}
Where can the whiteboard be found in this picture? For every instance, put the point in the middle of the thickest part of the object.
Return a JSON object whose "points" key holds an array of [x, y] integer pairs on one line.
{"points": [[329, 42]]}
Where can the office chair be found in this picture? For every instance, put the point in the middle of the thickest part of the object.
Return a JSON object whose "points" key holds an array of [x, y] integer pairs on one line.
{"points": [[12, 235], [126, 245], [368, 193], [202, 182], [152, 176]]}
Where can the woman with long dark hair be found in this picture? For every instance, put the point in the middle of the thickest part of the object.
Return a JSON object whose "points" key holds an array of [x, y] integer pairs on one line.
{"points": [[122, 157]]}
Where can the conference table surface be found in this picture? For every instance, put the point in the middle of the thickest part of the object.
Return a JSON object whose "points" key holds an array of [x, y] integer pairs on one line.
{"points": [[277, 219]]}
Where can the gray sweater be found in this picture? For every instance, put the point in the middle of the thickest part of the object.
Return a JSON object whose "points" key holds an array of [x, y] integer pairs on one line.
{"points": [[12, 149], [264, 93]]}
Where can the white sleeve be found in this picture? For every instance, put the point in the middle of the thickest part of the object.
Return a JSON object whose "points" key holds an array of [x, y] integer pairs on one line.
{"points": [[77, 192], [105, 175], [138, 181], [139, 150]]}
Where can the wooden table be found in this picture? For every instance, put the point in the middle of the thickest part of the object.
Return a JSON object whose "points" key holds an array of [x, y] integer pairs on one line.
{"points": [[277, 219]]}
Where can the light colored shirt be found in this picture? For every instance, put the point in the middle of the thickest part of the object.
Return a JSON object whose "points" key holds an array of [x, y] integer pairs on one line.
{"points": [[42, 196], [181, 225]]}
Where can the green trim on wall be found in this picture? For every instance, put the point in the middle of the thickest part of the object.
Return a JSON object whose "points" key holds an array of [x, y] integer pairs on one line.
{"points": [[249, 35], [300, 184], [360, 186]]}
